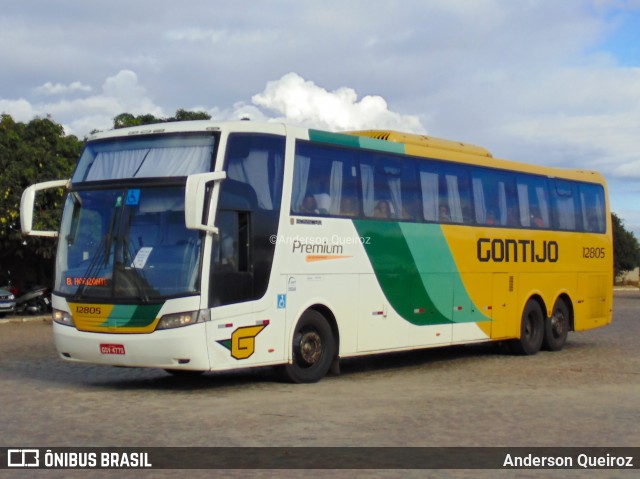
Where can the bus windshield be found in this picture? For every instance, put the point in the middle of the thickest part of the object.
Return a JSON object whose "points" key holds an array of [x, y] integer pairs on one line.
{"points": [[127, 243], [123, 234], [122, 158]]}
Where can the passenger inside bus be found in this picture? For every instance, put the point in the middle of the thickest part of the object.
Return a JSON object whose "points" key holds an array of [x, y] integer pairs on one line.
{"points": [[349, 206], [444, 213], [309, 205], [382, 209]]}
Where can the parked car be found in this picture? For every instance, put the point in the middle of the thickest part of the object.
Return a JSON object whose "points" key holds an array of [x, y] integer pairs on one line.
{"points": [[7, 302]]}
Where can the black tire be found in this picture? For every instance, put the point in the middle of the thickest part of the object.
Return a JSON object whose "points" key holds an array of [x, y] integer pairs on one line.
{"points": [[314, 349], [38, 306], [531, 330], [556, 327]]}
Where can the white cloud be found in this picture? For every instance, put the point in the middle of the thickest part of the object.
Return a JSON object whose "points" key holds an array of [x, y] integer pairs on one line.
{"points": [[20, 110], [224, 36], [290, 99], [59, 89], [296, 100], [118, 94]]}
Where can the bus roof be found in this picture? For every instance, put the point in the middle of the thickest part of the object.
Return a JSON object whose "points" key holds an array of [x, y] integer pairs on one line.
{"points": [[408, 143], [424, 141]]}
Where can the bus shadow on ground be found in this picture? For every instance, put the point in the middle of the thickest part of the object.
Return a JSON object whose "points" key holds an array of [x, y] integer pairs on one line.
{"points": [[153, 379], [385, 363], [86, 376]]}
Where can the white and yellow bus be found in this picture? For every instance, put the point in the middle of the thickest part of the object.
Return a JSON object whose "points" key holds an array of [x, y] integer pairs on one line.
{"points": [[204, 246]]}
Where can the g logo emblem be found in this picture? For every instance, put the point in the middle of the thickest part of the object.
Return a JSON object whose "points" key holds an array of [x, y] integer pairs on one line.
{"points": [[243, 341]]}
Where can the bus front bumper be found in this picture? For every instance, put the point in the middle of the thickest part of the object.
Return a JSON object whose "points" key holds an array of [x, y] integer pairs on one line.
{"points": [[179, 348]]}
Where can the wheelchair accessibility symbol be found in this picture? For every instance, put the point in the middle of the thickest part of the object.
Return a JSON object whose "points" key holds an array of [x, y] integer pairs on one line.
{"points": [[282, 301], [133, 197]]}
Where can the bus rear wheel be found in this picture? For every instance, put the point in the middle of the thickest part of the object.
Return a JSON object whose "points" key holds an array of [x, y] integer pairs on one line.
{"points": [[531, 330], [314, 349], [556, 327]]}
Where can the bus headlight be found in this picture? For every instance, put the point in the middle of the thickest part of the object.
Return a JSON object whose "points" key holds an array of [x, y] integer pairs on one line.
{"points": [[179, 320], [62, 317]]}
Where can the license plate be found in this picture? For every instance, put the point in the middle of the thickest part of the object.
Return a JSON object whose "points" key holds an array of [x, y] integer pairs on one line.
{"points": [[5, 305], [112, 349]]}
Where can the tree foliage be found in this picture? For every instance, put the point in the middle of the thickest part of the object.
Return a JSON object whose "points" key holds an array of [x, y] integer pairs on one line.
{"points": [[626, 250], [124, 120], [31, 153]]}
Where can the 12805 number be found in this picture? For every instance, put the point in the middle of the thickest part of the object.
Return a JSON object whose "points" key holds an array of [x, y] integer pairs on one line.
{"points": [[593, 253]]}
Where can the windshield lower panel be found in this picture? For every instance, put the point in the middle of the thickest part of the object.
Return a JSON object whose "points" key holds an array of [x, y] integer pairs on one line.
{"points": [[127, 244]]}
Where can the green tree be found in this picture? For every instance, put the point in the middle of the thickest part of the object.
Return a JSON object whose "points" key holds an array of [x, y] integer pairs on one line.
{"points": [[31, 153], [626, 250], [124, 120], [184, 115]]}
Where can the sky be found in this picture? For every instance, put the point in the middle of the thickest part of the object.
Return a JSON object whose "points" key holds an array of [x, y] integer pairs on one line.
{"points": [[550, 82]]}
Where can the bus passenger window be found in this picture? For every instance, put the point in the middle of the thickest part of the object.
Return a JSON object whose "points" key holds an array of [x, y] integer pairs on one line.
{"points": [[257, 161], [389, 187], [323, 175], [533, 201], [494, 197], [455, 201], [593, 210], [565, 206]]}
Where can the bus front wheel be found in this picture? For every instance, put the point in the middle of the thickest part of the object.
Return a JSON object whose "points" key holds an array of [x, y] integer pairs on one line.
{"points": [[313, 349], [556, 327], [531, 330]]}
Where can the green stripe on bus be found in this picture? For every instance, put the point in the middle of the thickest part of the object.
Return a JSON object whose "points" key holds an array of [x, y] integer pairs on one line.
{"points": [[416, 271], [397, 272], [356, 141], [334, 138], [382, 145], [132, 316], [439, 271]]}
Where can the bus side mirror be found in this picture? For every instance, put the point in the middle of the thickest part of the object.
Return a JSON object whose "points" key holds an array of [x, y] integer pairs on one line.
{"points": [[27, 203], [194, 201]]}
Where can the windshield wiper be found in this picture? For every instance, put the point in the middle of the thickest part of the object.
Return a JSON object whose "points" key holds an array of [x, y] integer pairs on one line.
{"points": [[93, 266], [102, 252]]}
